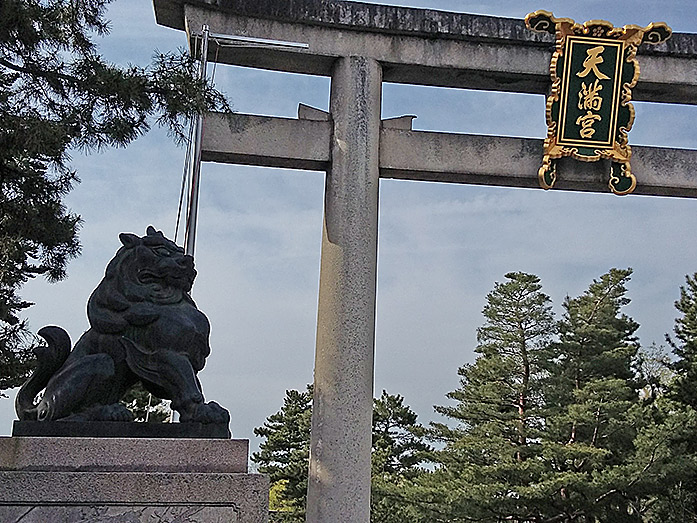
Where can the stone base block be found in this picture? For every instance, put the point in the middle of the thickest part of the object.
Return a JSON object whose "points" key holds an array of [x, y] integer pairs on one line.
{"points": [[120, 429], [100, 480], [120, 514], [123, 455]]}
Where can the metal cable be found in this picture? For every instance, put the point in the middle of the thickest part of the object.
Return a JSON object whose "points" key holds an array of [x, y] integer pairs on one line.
{"points": [[185, 181], [187, 167]]}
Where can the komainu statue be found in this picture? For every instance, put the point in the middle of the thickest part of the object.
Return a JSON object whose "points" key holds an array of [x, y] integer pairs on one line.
{"points": [[144, 327]]}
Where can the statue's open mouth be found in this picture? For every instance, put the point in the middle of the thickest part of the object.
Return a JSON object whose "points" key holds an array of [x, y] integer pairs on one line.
{"points": [[146, 277], [175, 279]]}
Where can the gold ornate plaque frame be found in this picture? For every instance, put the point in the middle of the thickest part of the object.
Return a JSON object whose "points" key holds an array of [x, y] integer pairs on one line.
{"points": [[589, 110]]}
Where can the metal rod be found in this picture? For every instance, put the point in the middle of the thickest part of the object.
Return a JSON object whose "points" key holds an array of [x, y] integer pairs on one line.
{"points": [[192, 216], [234, 40]]}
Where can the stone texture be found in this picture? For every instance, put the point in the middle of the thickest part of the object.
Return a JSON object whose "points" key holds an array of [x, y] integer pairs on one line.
{"points": [[392, 19], [514, 162], [339, 482], [285, 142], [123, 454], [416, 46], [120, 514], [307, 112], [450, 157], [359, 15], [246, 491], [118, 480]]}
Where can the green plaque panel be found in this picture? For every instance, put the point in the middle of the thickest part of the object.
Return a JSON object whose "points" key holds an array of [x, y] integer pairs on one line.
{"points": [[590, 92], [589, 110]]}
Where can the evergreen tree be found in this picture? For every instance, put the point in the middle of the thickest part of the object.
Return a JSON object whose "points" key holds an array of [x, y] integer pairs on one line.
{"points": [[396, 455], [397, 445], [677, 419], [492, 456], [594, 405], [285, 453], [666, 463], [683, 388], [565, 438], [398, 450], [56, 95], [654, 373], [16, 358], [145, 406]]}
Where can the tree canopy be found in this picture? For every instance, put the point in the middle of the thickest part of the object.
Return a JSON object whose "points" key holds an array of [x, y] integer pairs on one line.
{"points": [[58, 95], [564, 420], [397, 451]]}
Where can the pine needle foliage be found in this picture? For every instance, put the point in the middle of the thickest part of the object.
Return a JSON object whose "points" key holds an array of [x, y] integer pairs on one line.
{"points": [[145, 406], [491, 460], [684, 347], [58, 95], [676, 418], [398, 448], [548, 424]]}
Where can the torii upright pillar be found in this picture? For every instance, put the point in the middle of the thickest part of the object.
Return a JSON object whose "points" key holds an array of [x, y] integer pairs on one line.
{"points": [[339, 481]]}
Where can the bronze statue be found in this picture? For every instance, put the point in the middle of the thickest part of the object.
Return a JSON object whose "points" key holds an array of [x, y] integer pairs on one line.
{"points": [[144, 327]]}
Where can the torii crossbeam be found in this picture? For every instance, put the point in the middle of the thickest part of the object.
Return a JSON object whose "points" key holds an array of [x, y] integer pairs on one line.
{"points": [[359, 46]]}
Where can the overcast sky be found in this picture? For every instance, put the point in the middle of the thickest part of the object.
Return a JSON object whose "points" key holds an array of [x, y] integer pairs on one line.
{"points": [[441, 246]]}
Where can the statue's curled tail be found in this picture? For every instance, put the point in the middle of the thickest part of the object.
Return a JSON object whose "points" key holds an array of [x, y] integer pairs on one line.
{"points": [[49, 358]]}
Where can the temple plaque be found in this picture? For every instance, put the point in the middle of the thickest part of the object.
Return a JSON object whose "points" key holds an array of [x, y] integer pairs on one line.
{"points": [[589, 110]]}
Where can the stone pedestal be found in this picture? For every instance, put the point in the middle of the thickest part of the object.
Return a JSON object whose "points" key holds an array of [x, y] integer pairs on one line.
{"points": [[129, 480]]}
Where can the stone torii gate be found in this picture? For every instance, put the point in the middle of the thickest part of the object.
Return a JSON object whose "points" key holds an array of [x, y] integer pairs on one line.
{"points": [[359, 46]]}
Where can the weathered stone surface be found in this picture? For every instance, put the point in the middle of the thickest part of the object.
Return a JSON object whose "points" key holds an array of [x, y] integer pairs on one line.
{"points": [[68, 496], [120, 514], [123, 455], [339, 480], [307, 112], [448, 157], [66, 480], [514, 162], [246, 491], [391, 19], [418, 46], [298, 144]]}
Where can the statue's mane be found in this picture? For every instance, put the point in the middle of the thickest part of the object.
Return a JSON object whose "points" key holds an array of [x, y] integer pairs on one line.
{"points": [[122, 300]]}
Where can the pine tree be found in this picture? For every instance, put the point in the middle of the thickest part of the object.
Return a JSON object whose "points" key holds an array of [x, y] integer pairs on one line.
{"points": [[57, 95], [590, 394], [145, 406], [398, 449], [285, 453], [585, 448], [397, 452], [16, 358], [683, 388], [676, 418], [666, 463], [492, 457]]}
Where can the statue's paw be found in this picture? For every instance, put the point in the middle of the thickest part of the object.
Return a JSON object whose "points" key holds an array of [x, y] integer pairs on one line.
{"points": [[209, 412]]}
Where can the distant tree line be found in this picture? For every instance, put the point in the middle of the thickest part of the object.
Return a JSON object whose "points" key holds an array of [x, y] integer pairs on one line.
{"points": [[556, 421]]}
